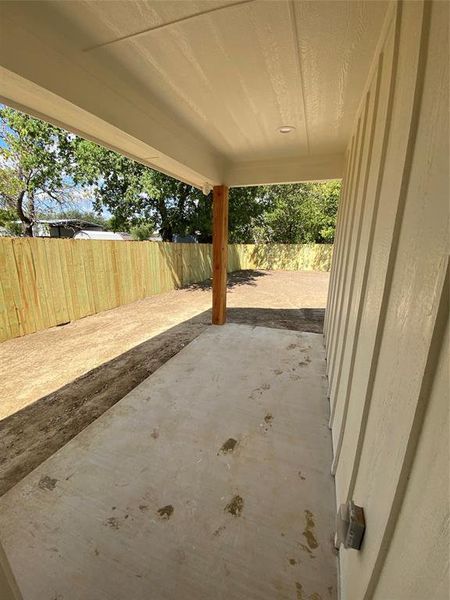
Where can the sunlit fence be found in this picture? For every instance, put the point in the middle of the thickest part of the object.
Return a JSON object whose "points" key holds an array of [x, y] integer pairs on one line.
{"points": [[46, 282]]}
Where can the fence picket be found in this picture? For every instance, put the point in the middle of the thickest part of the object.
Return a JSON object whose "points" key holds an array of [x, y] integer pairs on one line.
{"points": [[46, 282]]}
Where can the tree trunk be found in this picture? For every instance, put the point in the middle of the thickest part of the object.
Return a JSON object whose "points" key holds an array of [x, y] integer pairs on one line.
{"points": [[166, 230], [27, 223]]}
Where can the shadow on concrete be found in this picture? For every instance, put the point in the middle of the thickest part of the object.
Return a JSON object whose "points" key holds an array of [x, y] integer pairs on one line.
{"points": [[31, 435]]}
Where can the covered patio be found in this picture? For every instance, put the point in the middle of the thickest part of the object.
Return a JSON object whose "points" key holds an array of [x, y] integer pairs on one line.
{"points": [[214, 93], [209, 480], [212, 478]]}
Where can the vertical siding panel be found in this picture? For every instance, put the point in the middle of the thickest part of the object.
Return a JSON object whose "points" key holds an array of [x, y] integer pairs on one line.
{"points": [[375, 164], [356, 258], [397, 137], [339, 243], [349, 256], [340, 273], [336, 235], [397, 286], [342, 207]]}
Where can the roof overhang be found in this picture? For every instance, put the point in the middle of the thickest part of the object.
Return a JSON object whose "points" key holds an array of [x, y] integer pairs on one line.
{"points": [[197, 90]]}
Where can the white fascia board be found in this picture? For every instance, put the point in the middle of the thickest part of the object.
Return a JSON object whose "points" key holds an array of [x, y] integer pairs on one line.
{"points": [[291, 170]]}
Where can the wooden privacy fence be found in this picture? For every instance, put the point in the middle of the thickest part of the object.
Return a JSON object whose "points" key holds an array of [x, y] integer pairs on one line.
{"points": [[46, 282]]}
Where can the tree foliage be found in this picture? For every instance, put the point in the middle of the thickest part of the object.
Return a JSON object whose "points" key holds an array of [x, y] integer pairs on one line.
{"points": [[136, 194], [33, 166], [40, 161], [141, 232], [300, 213]]}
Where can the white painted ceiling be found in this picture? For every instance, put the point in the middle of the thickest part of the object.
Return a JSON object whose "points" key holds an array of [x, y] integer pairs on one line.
{"points": [[198, 88]]}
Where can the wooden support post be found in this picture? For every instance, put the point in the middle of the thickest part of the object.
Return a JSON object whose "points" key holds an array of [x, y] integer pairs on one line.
{"points": [[220, 254]]}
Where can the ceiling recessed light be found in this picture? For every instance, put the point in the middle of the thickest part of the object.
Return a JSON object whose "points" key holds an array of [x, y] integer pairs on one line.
{"points": [[286, 128]]}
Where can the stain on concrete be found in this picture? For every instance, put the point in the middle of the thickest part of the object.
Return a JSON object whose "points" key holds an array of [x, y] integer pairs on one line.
{"points": [[235, 506], [292, 347], [302, 477], [268, 422], [219, 531], [47, 483], [305, 362], [143, 507], [278, 372], [292, 561], [259, 390], [228, 446], [112, 522], [165, 512], [308, 531], [96, 552], [330, 590], [300, 596], [155, 434], [305, 548]]}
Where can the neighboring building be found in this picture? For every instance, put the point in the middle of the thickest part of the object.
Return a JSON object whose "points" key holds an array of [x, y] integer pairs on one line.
{"points": [[63, 228], [85, 234], [185, 239]]}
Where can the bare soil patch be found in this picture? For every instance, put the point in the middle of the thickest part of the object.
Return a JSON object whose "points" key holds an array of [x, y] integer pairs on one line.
{"points": [[55, 382]]}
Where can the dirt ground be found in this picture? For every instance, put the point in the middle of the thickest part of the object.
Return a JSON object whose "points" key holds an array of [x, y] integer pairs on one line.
{"points": [[55, 382]]}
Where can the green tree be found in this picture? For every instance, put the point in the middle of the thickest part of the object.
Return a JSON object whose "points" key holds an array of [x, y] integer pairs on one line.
{"points": [[137, 195], [142, 232], [8, 220], [299, 213], [246, 209], [40, 162], [33, 166]]}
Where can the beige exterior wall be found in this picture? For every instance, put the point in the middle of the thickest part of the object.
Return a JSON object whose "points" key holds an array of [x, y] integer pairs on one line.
{"points": [[387, 315]]}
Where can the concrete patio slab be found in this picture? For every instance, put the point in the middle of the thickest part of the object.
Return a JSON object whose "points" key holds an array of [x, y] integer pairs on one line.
{"points": [[210, 480]]}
